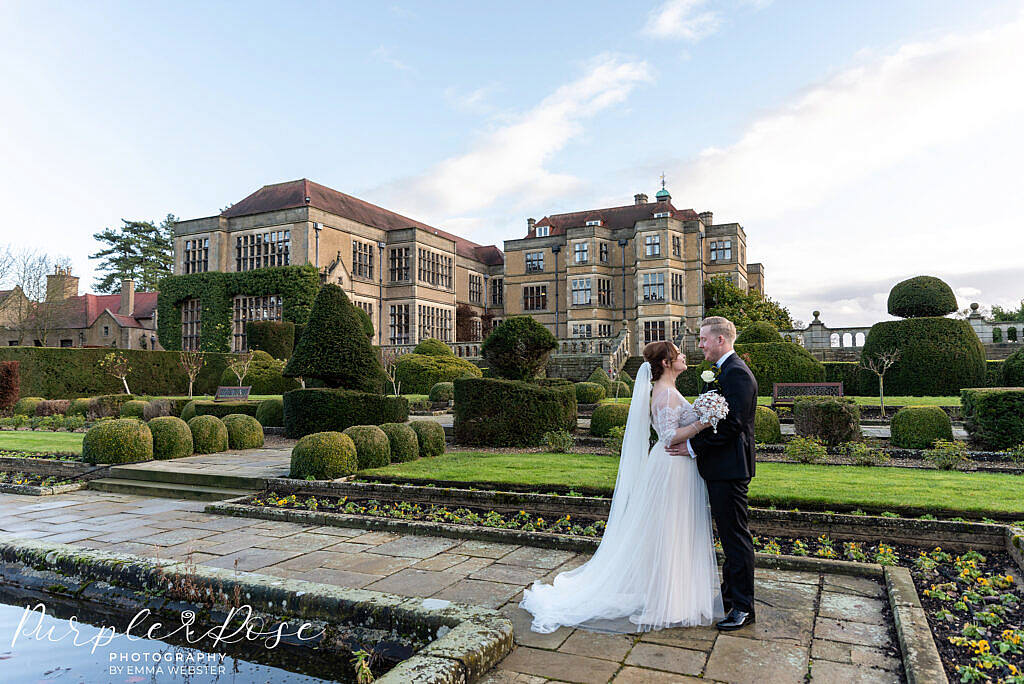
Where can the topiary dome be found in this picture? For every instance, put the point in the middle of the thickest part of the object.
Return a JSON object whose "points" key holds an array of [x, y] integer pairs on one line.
{"points": [[519, 348], [433, 347], [758, 331], [921, 296]]}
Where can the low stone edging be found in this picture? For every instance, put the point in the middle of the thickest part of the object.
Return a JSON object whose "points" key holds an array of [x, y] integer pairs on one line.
{"points": [[1015, 544], [36, 490], [464, 641], [53, 466], [921, 661]]}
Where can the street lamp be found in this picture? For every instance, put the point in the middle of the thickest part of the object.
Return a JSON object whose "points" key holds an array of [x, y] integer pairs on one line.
{"points": [[380, 291], [622, 243], [700, 269], [316, 232]]}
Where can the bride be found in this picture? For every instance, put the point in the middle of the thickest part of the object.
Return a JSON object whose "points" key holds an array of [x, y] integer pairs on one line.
{"points": [[655, 566]]}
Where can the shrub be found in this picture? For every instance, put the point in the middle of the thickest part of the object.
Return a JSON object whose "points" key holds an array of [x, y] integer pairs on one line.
{"points": [[864, 454], [315, 410], [600, 377], [430, 436], [626, 378], [559, 441], [994, 417], [157, 408], [589, 393], [26, 406], [758, 332], [209, 434], [766, 426], [619, 390], [917, 427], [208, 407], [53, 407], [334, 347], [805, 449], [1013, 370], [831, 419], [442, 391], [10, 384], [123, 440], [997, 335], [264, 376], [188, 412], [276, 338], [79, 407], [172, 437], [518, 349], [244, 431], [614, 439], [433, 347], [772, 362], [857, 381], [921, 296], [135, 408], [496, 412], [938, 356], [1011, 334], [1016, 454], [373, 450], [405, 445], [365, 323], [948, 455], [417, 373], [270, 412], [688, 382], [994, 374], [107, 405], [607, 416], [324, 456]]}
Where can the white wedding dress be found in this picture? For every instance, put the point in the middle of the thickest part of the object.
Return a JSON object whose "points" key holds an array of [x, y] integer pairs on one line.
{"points": [[655, 567]]}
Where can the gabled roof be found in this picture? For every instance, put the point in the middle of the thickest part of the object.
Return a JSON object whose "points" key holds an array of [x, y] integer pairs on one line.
{"points": [[292, 194], [83, 310], [612, 217]]}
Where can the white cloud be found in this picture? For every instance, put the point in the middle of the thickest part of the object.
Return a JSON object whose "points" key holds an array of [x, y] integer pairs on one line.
{"points": [[682, 19], [385, 55], [474, 101]]}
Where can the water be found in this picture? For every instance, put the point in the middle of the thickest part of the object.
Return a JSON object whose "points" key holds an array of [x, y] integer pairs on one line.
{"points": [[33, 658]]}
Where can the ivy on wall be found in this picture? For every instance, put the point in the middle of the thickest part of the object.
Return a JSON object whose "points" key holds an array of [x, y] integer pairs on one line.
{"points": [[215, 291]]}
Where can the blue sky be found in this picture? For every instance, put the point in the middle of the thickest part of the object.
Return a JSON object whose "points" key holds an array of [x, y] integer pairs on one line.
{"points": [[858, 143]]}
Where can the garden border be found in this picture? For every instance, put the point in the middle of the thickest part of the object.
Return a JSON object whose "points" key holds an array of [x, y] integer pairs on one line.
{"points": [[35, 490]]}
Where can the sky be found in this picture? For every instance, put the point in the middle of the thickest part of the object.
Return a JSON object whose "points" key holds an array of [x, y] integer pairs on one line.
{"points": [[858, 143]]}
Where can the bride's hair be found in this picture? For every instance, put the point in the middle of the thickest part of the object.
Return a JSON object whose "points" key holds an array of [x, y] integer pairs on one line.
{"points": [[657, 352]]}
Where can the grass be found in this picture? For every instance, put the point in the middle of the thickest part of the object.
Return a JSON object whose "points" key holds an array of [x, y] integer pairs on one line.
{"points": [[784, 485], [861, 401], [42, 441]]}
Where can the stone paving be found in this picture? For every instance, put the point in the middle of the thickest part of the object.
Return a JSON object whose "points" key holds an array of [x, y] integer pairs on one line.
{"points": [[811, 627]]}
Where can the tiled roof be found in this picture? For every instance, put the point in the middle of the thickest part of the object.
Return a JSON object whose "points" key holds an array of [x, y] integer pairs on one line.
{"points": [[612, 217], [83, 310], [292, 194]]}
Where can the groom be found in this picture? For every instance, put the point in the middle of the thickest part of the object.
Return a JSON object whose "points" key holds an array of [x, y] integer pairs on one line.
{"points": [[725, 460]]}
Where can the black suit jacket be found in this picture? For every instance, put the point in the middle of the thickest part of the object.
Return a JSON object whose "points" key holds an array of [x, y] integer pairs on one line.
{"points": [[729, 453]]}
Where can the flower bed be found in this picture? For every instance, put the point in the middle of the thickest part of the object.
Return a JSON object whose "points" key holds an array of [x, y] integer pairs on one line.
{"points": [[54, 423], [35, 484], [38, 455]]}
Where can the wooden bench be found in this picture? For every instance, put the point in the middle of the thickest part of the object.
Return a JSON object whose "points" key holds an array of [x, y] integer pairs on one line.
{"points": [[232, 394], [785, 393]]}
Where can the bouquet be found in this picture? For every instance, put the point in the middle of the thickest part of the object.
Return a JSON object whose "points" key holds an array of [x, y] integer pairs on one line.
{"points": [[711, 407]]}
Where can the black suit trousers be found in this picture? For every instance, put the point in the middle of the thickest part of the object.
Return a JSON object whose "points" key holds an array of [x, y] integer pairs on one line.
{"points": [[728, 500]]}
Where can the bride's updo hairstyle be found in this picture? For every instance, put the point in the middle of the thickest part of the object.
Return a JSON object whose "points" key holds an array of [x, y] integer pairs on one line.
{"points": [[655, 353]]}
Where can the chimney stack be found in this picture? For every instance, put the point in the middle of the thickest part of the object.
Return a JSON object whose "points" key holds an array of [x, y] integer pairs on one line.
{"points": [[706, 217], [530, 223], [61, 284], [127, 298], [640, 198]]}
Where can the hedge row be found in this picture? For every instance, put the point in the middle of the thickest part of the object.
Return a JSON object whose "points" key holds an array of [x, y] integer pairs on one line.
{"points": [[994, 417], [307, 411], [276, 338], [498, 412]]}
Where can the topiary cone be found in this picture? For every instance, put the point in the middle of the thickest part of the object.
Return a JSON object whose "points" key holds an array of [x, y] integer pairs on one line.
{"points": [[334, 347]]}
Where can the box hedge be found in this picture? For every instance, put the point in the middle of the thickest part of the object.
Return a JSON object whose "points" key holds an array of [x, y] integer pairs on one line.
{"points": [[600, 376], [79, 407], [432, 346], [209, 407], [442, 391], [430, 436], [772, 362], [122, 440], [607, 416], [518, 348], [209, 434], [263, 377], [405, 445], [589, 392], [10, 384], [244, 431], [766, 426], [373, 449], [276, 338], [921, 296], [188, 411], [271, 412], [172, 438], [417, 373], [53, 407], [317, 410], [134, 408], [1012, 370], [157, 408], [994, 374], [498, 412], [26, 406], [757, 332], [994, 417], [324, 456], [857, 381], [108, 405], [917, 427], [833, 420]]}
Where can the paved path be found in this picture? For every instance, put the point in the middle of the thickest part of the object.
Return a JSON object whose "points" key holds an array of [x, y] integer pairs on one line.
{"points": [[828, 625]]}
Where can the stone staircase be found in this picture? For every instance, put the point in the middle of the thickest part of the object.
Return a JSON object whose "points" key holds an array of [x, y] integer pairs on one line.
{"points": [[632, 365], [172, 484]]}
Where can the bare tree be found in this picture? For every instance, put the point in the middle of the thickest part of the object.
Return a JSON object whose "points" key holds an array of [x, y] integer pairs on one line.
{"points": [[240, 366], [116, 364], [191, 362], [389, 359], [879, 365]]}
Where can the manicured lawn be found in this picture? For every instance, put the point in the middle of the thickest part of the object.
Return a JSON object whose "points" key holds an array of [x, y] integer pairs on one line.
{"points": [[39, 440], [861, 401], [783, 485]]}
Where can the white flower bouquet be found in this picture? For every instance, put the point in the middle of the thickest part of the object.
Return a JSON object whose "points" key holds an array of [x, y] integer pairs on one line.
{"points": [[711, 407]]}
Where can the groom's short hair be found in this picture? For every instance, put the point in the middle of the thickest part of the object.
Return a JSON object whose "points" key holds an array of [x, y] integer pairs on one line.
{"points": [[718, 325]]}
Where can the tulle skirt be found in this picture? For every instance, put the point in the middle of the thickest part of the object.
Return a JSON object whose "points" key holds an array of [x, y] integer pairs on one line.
{"points": [[658, 570]]}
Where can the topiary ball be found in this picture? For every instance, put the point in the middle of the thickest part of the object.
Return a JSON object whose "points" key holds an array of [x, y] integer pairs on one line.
{"points": [[433, 347], [442, 391], [121, 440], [766, 426], [917, 427], [79, 407], [619, 390], [518, 349], [430, 436], [136, 408], [244, 432], [324, 456], [189, 411], [589, 393], [372, 446], [405, 445], [1013, 369], [209, 434], [921, 296], [601, 377], [271, 412], [26, 406], [833, 420], [172, 437], [607, 416], [759, 331], [626, 378]]}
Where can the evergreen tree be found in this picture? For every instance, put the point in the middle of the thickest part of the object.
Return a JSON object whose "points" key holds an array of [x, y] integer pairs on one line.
{"points": [[139, 251]]}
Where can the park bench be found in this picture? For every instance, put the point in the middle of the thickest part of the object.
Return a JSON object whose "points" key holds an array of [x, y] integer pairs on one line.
{"points": [[785, 393], [232, 394]]}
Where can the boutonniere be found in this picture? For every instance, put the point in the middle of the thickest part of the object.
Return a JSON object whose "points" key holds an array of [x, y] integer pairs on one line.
{"points": [[710, 376]]}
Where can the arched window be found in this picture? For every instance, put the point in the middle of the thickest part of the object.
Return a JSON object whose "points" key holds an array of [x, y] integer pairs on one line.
{"points": [[858, 339], [847, 339], [997, 335], [834, 340]]}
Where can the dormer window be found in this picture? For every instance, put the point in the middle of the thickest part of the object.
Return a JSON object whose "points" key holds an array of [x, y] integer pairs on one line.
{"points": [[543, 231], [662, 214], [595, 222]]}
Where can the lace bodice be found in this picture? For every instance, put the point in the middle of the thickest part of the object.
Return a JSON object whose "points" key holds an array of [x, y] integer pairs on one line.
{"points": [[669, 411]]}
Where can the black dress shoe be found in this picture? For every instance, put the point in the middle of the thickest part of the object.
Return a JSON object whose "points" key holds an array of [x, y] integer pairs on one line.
{"points": [[736, 619]]}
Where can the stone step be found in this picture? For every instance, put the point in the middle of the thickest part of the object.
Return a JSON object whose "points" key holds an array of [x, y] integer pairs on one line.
{"points": [[148, 473], [165, 490]]}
